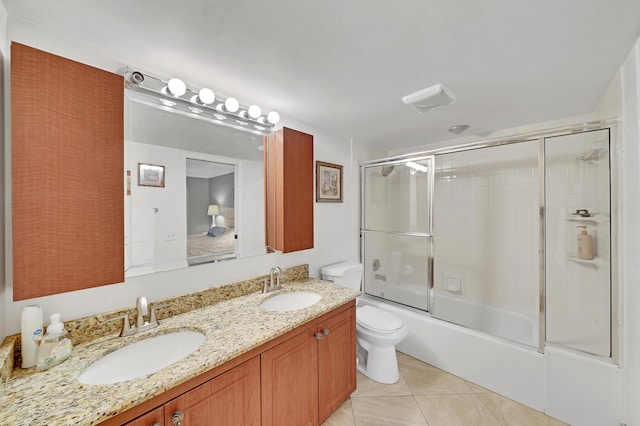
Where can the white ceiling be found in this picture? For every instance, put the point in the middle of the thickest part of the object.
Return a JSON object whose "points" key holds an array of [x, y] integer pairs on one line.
{"points": [[344, 65]]}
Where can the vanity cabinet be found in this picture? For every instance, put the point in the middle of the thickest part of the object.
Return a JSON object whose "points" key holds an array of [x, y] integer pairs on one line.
{"points": [[336, 362], [307, 377], [289, 190], [299, 378], [232, 398], [152, 418]]}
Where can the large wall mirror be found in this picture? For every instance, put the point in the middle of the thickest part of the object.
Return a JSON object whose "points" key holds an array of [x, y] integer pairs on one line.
{"points": [[194, 189]]}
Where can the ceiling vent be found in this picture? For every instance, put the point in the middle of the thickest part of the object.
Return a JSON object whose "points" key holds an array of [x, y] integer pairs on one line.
{"points": [[430, 98]]}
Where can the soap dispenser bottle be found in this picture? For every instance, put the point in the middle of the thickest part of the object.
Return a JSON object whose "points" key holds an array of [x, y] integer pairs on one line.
{"points": [[55, 345], [585, 244]]}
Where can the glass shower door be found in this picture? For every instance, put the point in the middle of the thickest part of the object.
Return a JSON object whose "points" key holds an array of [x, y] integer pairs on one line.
{"points": [[396, 230], [486, 226]]}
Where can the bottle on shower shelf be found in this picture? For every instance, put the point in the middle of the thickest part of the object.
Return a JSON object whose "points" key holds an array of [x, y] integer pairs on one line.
{"points": [[585, 244]]}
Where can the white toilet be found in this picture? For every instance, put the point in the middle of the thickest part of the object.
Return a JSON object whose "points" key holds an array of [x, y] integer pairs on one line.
{"points": [[377, 331]]}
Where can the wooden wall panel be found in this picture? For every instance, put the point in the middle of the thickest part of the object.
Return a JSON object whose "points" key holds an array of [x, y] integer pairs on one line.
{"points": [[67, 143]]}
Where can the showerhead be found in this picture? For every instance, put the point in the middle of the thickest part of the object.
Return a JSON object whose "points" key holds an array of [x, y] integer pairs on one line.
{"points": [[591, 157], [386, 170]]}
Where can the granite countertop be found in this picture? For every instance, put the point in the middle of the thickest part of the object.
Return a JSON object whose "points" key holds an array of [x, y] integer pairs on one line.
{"points": [[232, 327]]}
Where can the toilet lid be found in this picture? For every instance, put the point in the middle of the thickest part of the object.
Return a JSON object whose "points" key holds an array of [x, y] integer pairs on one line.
{"points": [[377, 319]]}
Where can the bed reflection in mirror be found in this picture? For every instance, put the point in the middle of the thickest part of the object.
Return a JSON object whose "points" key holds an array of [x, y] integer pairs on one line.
{"points": [[210, 211], [211, 206]]}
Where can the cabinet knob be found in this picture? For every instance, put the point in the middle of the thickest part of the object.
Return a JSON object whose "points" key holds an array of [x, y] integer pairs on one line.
{"points": [[177, 418], [156, 424], [326, 332], [319, 336]]}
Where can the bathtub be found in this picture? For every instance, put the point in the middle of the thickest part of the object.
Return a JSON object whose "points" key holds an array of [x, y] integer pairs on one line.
{"points": [[575, 389], [496, 321]]}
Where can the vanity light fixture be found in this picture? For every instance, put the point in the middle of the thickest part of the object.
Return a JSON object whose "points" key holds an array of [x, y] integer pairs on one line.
{"points": [[176, 87], [173, 94], [231, 105], [205, 97], [272, 118], [254, 111]]}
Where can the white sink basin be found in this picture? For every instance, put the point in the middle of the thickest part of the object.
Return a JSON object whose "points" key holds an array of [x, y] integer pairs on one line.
{"points": [[290, 301], [142, 358]]}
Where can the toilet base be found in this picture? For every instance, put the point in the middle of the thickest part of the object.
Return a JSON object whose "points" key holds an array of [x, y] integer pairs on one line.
{"points": [[379, 363]]}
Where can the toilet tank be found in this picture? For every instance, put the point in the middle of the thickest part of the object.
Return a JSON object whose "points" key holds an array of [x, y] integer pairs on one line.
{"points": [[347, 274]]}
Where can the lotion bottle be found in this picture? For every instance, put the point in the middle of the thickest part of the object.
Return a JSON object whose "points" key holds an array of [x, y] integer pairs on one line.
{"points": [[585, 244], [31, 331]]}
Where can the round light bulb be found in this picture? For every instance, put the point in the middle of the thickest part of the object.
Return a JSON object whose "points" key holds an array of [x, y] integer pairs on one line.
{"points": [[254, 111], [206, 96], [176, 87], [273, 117], [231, 104]]}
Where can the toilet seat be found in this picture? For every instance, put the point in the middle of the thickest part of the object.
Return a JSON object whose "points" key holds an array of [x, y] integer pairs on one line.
{"points": [[378, 320]]}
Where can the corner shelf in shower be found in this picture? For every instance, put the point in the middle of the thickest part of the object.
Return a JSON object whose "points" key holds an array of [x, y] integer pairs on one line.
{"points": [[596, 261], [597, 218]]}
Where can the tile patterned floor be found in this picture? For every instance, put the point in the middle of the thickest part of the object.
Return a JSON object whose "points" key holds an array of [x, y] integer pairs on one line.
{"points": [[426, 395]]}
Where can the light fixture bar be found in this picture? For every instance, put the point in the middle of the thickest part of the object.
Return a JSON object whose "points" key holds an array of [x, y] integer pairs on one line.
{"points": [[175, 96]]}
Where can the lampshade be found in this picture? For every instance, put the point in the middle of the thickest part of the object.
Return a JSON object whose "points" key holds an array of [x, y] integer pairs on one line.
{"points": [[214, 210]]}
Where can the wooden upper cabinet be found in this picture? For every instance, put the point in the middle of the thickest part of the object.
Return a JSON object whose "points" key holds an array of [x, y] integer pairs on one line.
{"points": [[67, 174], [289, 190]]}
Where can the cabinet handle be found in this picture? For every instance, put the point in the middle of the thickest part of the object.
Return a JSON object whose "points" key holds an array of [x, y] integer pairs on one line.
{"points": [[319, 336], [156, 424], [177, 418], [326, 332]]}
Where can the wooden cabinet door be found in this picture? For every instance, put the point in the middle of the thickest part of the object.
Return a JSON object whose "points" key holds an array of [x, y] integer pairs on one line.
{"points": [[231, 399], [289, 190], [290, 382], [152, 418], [336, 362], [67, 147]]}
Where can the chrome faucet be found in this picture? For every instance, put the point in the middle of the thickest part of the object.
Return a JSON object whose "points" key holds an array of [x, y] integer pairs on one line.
{"points": [[142, 308], [270, 286]]}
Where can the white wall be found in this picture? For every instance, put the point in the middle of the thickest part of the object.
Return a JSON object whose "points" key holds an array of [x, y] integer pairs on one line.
{"points": [[334, 234], [157, 213], [630, 238]]}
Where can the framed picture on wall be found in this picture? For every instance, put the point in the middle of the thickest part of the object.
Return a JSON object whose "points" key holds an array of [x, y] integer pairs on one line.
{"points": [[150, 175], [328, 182]]}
